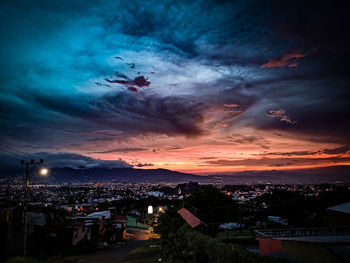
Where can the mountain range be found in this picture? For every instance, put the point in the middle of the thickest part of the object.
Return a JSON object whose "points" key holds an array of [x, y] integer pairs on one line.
{"points": [[331, 174]]}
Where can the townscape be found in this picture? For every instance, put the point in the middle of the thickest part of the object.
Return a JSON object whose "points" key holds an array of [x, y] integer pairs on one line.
{"points": [[175, 131], [68, 219]]}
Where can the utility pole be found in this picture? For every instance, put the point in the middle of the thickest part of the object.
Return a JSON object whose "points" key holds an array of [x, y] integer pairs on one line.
{"points": [[26, 184]]}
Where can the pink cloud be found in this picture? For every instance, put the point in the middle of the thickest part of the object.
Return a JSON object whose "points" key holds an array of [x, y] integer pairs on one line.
{"points": [[232, 105], [288, 59], [293, 65], [281, 115]]}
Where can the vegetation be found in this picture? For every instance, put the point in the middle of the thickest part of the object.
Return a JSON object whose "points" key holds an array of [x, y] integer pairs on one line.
{"points": [[145, 260], [54, 238], [187, 245], [22, 260], [205, 243], [180, 243], [151, 245], [147, 253], [299, 209], [236, 236], [212, 207]]}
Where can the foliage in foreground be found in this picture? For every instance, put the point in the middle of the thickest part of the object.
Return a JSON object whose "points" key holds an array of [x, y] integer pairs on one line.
{"points": [[146, 260], [22, 260], [151, 245], [187, 245], [180, 243]]}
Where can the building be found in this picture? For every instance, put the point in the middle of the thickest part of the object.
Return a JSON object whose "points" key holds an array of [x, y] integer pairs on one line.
{"points": [[307, 245], [339, 215]]}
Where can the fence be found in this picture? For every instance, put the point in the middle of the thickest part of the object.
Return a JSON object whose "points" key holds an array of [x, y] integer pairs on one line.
{"points": [[300, 232]]}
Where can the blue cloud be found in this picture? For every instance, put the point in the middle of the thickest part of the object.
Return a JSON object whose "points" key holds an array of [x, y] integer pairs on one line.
{"points": [[196, 55]]}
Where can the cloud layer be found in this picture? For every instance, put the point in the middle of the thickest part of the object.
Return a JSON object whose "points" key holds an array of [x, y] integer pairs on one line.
{"points": [[119, 79]]}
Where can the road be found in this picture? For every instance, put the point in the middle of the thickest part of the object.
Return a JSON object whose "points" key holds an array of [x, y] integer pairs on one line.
{"points": [[116, 253]]}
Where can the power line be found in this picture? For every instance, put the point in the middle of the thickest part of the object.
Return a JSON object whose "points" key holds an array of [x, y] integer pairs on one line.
{"points": [[13, 153], [32, 156], [10, 156], [14, 149]]}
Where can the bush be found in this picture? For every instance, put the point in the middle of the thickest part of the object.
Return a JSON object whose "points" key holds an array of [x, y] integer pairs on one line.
{"points": [[22, 260], [187, 245]]}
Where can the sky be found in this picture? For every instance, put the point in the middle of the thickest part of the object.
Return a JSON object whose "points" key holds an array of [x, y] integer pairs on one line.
{"points": [[193, 86]]}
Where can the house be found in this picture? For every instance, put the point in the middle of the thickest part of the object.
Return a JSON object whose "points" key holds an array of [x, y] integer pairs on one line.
{"points": [[339, 215], [99, 227], [306, 245], [120, 225], [278, 220]]}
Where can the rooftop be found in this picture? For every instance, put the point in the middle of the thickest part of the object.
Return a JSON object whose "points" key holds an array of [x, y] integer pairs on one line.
{"points": [[343, 208]]}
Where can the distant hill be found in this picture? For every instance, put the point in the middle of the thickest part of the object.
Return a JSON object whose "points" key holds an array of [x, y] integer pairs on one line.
{"points": [[332, 174], [122, 175]]}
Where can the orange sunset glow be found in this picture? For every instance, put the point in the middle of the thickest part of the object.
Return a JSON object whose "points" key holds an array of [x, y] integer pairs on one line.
{"points": [[199, 88]]}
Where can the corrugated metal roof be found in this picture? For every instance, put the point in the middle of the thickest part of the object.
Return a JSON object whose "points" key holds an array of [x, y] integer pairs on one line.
{"points": [[344, 208], [106, 214], [191, 219]]}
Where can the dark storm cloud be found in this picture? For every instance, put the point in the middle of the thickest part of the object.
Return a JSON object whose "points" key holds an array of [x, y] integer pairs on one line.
{"points": [[174, 148], [102, 132], [57, 56], [170, 115], [292, 153], [133, 89], [117, 115], [248, 139], [339, 150], [120, 75], [243, 139], [125, 150], [79, 161], [71, 160], [102, 139], [140, 81], [320, 117], [208, 158], [277, 161], [143, 165], [335, 151]]}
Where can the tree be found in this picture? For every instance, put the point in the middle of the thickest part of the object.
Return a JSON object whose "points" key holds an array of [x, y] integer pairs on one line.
{"points": [[212, 207]]}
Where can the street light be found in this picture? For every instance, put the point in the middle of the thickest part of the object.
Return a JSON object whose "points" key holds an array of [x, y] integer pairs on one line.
{"points": [[43, 172]]}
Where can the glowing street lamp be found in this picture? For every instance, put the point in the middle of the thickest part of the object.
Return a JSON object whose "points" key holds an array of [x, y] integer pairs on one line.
{"points": [[44, 171]]}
